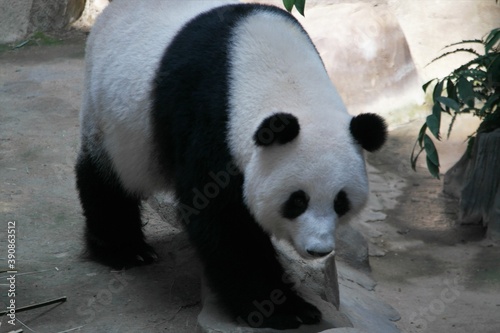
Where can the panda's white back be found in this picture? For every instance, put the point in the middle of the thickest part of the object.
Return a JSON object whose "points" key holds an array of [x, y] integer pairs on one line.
{"points": [[276, 68], [122, 55]]}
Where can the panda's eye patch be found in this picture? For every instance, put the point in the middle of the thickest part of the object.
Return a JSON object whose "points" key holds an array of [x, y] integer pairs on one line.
{"points": [[295, 205], [341, 204]]}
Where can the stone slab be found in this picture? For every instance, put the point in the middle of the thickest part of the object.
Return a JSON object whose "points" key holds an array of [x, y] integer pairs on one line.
{"points": [[14, 19], [213, 320]]}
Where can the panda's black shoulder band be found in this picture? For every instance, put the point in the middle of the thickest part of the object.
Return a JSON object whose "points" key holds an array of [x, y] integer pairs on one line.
{"points": [[279, 128], [369, 130]]}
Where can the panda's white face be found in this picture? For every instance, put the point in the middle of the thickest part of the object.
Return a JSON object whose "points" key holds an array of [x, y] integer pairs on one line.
{"points": [[300, 191]]}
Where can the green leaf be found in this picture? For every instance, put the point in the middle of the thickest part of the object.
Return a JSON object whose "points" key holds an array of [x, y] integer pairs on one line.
{"points": [[432, 157], [424, 87], [437, 109], [420, 139], [456, 51], [494, 71], [479, 61], [451, 103], [430, 150], [467, 41], [421, 134], [492, 38], [300, 5], [450, 89], [414, 158], [466, 91], [488, 105], [433, 169], [473, 73], [438, 89], [289, 4], [433, 124], [434, 120], [452, 122]]}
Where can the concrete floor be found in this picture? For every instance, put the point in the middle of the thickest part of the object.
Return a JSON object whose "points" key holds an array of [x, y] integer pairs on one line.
{"points": [[440, 277]]}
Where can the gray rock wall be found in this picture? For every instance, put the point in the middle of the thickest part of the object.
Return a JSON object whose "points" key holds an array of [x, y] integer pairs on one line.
{"points": [[19, 18], [14, 19], [366, 55]]}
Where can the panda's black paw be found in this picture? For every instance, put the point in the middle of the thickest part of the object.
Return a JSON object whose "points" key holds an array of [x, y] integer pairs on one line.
{"points": [[309, 314], [290, 315], [281, 321], [123, 255], [305, 311]]}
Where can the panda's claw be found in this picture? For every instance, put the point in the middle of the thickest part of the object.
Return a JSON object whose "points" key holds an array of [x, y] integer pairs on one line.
{"points": [[146, 255], [120, 256]]}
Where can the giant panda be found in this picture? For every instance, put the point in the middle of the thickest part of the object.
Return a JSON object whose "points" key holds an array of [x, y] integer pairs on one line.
{"points": [[229, 107]]}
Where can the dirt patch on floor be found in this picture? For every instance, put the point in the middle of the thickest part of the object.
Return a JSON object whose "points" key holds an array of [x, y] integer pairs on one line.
{"points": [[441, 276]]}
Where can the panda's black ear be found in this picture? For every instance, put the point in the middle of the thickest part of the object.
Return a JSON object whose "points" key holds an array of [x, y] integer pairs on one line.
{"points": [[369, 130], [279, 128]]}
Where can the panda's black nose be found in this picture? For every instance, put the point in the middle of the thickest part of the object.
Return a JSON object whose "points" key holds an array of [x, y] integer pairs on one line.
{"points": [[318, 254]]}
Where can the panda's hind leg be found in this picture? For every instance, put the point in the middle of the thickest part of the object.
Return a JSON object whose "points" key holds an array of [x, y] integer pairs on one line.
{"points": [[113, 230]]}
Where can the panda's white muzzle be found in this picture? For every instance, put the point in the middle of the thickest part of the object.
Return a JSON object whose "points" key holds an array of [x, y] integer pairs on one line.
{"points": [[315, 237]]}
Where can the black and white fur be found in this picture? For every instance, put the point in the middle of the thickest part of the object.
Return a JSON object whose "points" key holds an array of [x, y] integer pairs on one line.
{"points": [[232, 110]]}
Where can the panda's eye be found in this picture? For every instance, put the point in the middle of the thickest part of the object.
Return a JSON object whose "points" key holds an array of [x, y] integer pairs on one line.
{"points": [[295, 205], [341, 204]]}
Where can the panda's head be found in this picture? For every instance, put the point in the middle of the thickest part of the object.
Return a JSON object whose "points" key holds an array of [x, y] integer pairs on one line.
{"points": [[302, 179]]}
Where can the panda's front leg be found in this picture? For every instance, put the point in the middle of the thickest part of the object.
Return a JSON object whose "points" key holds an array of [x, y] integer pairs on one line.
{"points": [[242, 269]]}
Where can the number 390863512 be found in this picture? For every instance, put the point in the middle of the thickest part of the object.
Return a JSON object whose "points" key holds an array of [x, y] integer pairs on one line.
{"points": [[11, 238]]}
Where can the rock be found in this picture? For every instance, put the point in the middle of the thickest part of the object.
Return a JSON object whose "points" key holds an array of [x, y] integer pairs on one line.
{"points": [[365, 53], [14, 19], [92, 9], [453, 178], [320, 276], [475, 180], [22, 17], [493, 232], [213, 320], [355, 38], [469, 20], [317, 281], [376, 251], [331, 283], [362, 306], [482, 180], [352, 247], [54, 15], [344, 330], [363, 279]]}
